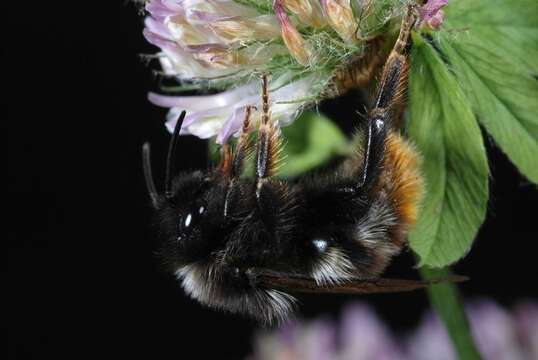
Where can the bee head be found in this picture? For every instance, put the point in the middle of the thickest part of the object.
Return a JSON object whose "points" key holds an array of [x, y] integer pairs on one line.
{"points": [[188, 210], [189, 219]]}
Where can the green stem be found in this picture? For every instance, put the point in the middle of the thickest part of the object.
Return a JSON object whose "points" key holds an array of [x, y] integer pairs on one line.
{"points": [[446, 301]]}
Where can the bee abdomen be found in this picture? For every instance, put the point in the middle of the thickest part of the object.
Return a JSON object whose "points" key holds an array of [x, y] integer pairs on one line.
{"points": [[402, 180]]}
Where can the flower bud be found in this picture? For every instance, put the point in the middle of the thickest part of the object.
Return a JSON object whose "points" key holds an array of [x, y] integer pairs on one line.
{"points": [[292, 38], [308, 11], [340, 17]]}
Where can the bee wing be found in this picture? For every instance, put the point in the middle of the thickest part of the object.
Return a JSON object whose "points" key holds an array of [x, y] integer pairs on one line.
{"points": [[304, 284]]}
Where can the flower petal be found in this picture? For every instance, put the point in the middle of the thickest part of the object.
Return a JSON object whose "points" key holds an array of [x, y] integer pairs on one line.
{"points": [[232, 125], [192, 118], [430, 9], [160, 9], [201, 102], [157, 28]]}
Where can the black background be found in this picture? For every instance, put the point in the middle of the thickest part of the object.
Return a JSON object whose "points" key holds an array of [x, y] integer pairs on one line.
{"points": [[82, 277]]}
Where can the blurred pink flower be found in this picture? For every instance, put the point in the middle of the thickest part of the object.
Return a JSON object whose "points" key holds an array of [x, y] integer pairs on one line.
{"points": [[361, 335]]}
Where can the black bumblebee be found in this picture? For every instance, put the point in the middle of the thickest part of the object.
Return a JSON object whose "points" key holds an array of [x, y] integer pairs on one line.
{"points": [[242, 244]]}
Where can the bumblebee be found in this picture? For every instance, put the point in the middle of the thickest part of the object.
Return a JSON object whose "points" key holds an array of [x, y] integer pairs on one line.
{"points": [[245, 244]]}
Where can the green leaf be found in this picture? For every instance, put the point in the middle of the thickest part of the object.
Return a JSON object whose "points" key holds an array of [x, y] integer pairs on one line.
{"points": [[447, 302], [496, 62], [310, 142], [508, 29], [442, 125]]}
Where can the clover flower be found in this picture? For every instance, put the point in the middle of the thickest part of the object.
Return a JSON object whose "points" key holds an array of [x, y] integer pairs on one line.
{"points": [[362, 335], [223, 45]]}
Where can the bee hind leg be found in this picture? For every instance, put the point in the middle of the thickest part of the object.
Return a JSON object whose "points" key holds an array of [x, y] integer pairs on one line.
{"points": [[387, 102], [391, 87]]}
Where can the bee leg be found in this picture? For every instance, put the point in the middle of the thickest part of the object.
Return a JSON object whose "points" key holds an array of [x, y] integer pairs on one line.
{"points": [[241, 151], [388, 97], [392, 86], [231, 162], [374, 147], [267, 151], [268, 144], [358, 71], [242, 147], [225, 163]]}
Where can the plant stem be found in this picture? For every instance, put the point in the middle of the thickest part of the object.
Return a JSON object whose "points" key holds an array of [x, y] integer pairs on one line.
{"points": [[446, 301]]}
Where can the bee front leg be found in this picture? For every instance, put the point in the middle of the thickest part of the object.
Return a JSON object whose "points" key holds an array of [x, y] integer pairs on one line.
{"points": [[236, 162], [267, 153], [225, 163], [243, 146], [269, 142]]}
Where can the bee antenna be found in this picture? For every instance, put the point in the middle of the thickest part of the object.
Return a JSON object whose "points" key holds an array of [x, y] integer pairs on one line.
{"points": [[171, 157], [148, 176]]}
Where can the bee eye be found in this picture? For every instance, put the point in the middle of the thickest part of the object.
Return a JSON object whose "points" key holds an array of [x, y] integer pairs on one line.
{"points": [[188, 221], [191, 219], [185, 223]]}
